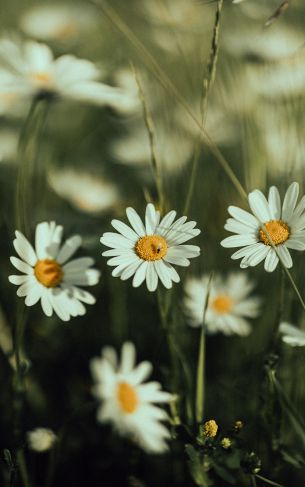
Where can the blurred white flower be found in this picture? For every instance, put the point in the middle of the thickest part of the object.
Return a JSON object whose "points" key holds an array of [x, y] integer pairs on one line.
{"points": [[285, 225], [49, 277], [30, 69], [229, 303], [41, 439], [148, 251], [126, 402], [174, 148], [86, 192], [57, 22], [125, 79], [291, 335], [268, 44]]}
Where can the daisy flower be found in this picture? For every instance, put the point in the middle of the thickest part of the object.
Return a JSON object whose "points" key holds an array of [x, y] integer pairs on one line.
{"points": [[126, 402], [30, 69], [47, 274], [147, 251], [291, 335], [285, 225], [88, 193], [58, 22], [229, 303], [41, 439]]}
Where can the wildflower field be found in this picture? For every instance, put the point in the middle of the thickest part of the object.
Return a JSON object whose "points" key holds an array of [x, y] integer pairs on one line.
{"points": [[152, 215]]}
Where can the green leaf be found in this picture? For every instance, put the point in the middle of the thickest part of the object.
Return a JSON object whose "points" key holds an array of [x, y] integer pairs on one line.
{"points": [[196, 467]]}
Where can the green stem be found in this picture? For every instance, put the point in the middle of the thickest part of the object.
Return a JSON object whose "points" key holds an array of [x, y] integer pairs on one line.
{"points": [[208, 80], [268, 481], [200, 378], [175, 351], [28, 167], [200, 383], [155, 163]]}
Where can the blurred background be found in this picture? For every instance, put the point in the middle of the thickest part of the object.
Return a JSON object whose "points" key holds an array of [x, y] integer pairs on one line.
{"points": [[95, 161]]}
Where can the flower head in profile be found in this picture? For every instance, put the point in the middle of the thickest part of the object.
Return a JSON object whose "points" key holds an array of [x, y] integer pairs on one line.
{"points": [[58, 22], [30, 70], [127, 402], [147, 251], [41, 439], [229, 305], [291, 335], [87, 193], [47, 274], [283, 223]]}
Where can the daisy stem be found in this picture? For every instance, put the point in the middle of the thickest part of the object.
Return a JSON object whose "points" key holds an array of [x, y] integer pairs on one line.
{"points": [[175, 352], [291, 280], [28, 168], [169, 86], [208, 80], [149, 124], [200, 383], [268, 481]]}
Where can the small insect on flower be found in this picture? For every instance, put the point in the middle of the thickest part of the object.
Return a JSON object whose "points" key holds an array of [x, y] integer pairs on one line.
{"points": [[41, 439], [148, 251], [126, 402], [282, 225], [229, 303], [49, 277]]}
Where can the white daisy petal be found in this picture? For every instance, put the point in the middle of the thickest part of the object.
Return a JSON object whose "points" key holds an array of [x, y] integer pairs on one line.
{"points": [[68, 249], [125, 230], [17, 280], [22, 266], [271, 261], [135, 221], [163, 274], [114, 240], [285, 256], [45, 303], [295, 244], [274, 201], [238, 241], [140, 274], [243, 217], [34, 295], [151, 277], [128, 358], [259, 206], [24, 249], [151, 218], [78, 264], [131, 269], [290, 200]]}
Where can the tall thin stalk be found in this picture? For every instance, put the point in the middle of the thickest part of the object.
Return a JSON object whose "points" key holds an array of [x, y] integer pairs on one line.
{"points": [[24, 209], [207, 82]]}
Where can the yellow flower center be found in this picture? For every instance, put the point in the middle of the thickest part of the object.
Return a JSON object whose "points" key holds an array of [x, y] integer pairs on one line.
{"points": [[127, 397], [66, 31], [151, 247], [222, 304], [210, 428], [277, 229], [41, 78], [48, 272]]}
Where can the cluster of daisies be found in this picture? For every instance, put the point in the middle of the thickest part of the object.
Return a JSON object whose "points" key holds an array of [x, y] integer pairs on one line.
{"points": [[148, 251]]}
